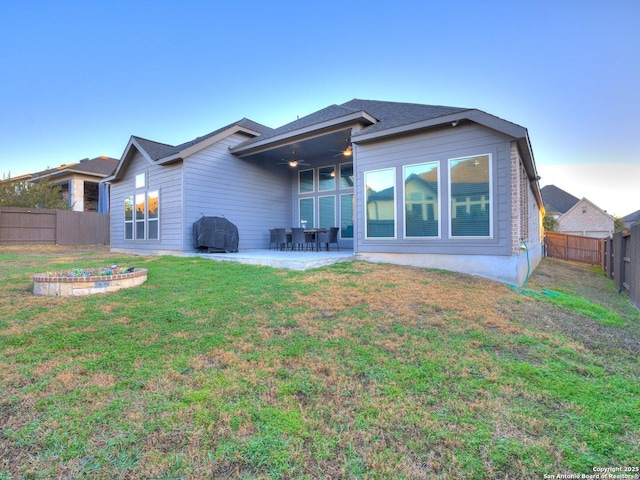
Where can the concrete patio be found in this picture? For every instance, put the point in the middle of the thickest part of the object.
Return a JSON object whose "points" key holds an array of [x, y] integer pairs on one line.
{"points": [[293, 260]]}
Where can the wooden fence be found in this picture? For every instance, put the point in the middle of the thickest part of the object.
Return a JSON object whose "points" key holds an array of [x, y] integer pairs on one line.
{"points": [[23, 226], [574, 248], [622, 262]]}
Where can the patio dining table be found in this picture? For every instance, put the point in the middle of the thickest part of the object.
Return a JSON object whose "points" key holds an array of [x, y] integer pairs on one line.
{"points": [[316, 237], [314, 232]]}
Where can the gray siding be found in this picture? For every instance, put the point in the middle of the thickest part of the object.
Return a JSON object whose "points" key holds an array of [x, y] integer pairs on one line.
{"points": [[168, 181], [439, 145], [253, 196]]}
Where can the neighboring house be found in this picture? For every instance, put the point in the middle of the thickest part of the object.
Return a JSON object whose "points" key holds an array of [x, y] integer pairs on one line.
{"points": [[577, 217], [631, 219], [430, 186], [587, 220], [557, 201], [80, 183]]}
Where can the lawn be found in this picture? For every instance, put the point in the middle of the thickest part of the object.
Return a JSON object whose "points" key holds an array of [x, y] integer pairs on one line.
{"points": [[357, 370]]}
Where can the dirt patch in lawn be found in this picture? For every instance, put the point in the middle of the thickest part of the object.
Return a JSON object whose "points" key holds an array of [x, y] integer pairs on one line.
{"points": [[587, 282]]}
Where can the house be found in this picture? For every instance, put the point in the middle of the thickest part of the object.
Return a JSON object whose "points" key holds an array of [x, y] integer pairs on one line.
{"points": [[432, 186], [586, 219], [557, 201], [577, 217], [80, 183], [631, 220]]}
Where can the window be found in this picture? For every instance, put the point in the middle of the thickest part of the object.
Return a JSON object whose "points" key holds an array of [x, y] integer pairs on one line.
{"points": [[421, 213], [470, 194], [327, 178], [142, 219], [327, 211], [141, 180], [153, 217], [306, 212], [128, 217], [346, 175], [346, 215], [380, 203], [305, 181], [140, 215]]}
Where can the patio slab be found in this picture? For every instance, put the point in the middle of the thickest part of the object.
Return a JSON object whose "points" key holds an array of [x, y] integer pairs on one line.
{"points": [[272, 258]]}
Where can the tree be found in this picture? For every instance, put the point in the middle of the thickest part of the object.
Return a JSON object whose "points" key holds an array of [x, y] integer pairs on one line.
{"points": [[549, 223], [35, 194], [618, 224]]}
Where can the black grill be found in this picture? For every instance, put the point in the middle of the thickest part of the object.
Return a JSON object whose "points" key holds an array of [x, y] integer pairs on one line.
{"points": [[216, 234]]}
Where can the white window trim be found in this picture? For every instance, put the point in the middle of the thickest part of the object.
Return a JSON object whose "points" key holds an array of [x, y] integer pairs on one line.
{"points": [[395, 204], [134, 221], [353, 207], [313, 181], [339, 180], [310, 224], [334, 210], [335, 179], [491, 204], [404, 202]]}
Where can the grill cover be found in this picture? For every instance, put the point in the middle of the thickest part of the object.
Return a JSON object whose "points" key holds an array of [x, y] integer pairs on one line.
{"points": [[216, 234]]}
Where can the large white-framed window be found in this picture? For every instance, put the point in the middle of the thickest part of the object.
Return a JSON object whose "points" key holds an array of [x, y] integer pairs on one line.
{"points": [[380, 203], [307, 207], [128, 217], [141, 211], [142, 216], [346, 215], [470, 196], [326, 178], [153, 215], [422, 200], [305, 181], [346, 175], [327, 211]]}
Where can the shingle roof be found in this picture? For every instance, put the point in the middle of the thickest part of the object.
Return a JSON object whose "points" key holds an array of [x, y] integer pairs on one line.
{"points": [[395, 114], [632, 217], [388, 115], [158, 150], [557, 200], [100, 166]]}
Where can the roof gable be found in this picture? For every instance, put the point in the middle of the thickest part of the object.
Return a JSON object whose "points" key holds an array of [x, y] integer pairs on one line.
{"points": [[557, 200], [584, 202], [161, 153]]}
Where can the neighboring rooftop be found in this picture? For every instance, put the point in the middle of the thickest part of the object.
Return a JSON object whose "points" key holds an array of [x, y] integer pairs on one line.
{"points": [[557, 200], [102, 166], [632, 218]]}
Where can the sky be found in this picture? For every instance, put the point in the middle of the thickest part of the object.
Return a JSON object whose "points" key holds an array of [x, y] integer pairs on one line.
{"points": [[78, 78]]}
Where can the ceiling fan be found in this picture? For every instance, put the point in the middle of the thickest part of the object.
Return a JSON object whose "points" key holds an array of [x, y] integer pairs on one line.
{"points": [[293, 162], [347, 152]]}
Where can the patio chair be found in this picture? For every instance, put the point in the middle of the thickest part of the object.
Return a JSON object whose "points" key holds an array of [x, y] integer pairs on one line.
{"points": [[310, 240], [297, 238], [328, 238], [282, 242], [273, 239]]}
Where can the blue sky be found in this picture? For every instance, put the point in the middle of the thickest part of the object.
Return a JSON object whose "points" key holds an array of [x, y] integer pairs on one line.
{"points": [[78, 78]]}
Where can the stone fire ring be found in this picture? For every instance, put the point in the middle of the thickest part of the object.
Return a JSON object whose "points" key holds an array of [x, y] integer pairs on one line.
{"points": [[77, 286]]}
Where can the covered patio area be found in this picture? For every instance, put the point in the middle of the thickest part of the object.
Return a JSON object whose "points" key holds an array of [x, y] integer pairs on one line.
{"points": [[293, 260]]}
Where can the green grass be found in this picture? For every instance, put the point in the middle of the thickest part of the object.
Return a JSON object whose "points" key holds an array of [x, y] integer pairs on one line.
{"points": [[221, 370]]}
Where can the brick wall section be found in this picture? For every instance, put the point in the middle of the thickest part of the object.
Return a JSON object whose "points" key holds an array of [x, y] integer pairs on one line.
{"points": [[77, 286], [516, 199], [587, 220]]}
